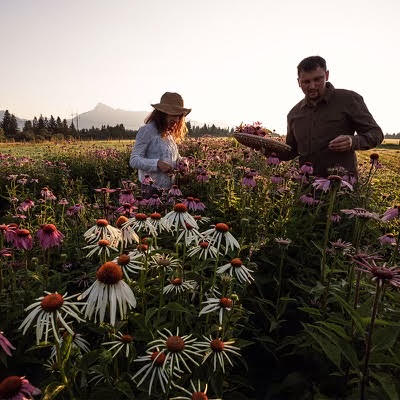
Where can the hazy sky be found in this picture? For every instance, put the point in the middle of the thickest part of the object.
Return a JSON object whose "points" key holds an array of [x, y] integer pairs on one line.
{"points": [[232, 60]]}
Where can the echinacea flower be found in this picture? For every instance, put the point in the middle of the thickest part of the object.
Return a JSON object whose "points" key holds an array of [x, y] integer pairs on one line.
{"points": [[381, 273], [108, 291], [273, 159], [202, 177], [307, 168], [17, 388], [103, 246], [199, 205], [341, 246], [203, 250], [282, 241], [5, 344], [156, 220], [176, 348], [219, 350], [325, 184], [23, 239], [221, 305], [196, 394], [130, 263], [236, 266], [360, 213], [123, 342], [179, 217], [388, 239], [276, 179], [78, 342], [175, 191], [154, 201], [248, 179], [391, 213], [49, 236], [308, 199], [190, 203], [126, 196], [335, 218], [47, 194], [140, 222], [102, 230], [179, 285], [156, 367], [26, 205], [9, 232], [164, 261], [74, 210], [47, 311], [221, 231], [189, 235]]}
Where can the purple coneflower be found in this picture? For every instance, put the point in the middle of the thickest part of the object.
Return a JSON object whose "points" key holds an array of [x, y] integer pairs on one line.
{"points": [[47, 194], [9, 232], [307, 168], [126, 196], [23, 239], [154, 201], [199, 205], [276, 180], [248, 180], [26, 205], [308, 199], [17, 388], [190, 203], [383, 274], [203, 177], [5, 344], [325, 184], [273, 159], [335, 218], [49, 236], [63, 202], [74, 210], [148, 180], [175, 191], [387, 239], [391, 213], [360, 213]]}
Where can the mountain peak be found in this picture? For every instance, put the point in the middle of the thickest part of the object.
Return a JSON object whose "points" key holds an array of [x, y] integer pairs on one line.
{"points": [[103, 107]]}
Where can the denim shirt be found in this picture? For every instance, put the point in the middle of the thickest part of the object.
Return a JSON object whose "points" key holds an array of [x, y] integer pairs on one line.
{"points": [[150, 147]]}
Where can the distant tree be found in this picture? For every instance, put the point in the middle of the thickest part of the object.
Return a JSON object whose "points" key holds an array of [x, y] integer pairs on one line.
{"points": [[35, 125], [41, 124], [5, 123], [2, 135], [27, 126], [52, 125], [72, 127], [46, 122], [59, 125], [64, 127], [13, 127]]}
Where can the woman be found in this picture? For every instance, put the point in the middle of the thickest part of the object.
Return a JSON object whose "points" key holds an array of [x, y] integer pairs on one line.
{"points": [[155, 152]]}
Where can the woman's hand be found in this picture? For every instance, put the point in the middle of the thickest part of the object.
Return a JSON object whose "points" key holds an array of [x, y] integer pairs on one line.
{"points": [[164, 166]]}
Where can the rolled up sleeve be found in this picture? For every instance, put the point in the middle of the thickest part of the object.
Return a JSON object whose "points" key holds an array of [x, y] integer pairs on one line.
{"points": [[138, 157], [369, 134]]}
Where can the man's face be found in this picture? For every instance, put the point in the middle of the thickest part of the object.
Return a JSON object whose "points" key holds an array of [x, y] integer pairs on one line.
{"points": [[313, 83]]}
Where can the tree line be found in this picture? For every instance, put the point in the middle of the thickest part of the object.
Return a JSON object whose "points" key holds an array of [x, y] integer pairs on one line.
{"points": [[43, 128]]}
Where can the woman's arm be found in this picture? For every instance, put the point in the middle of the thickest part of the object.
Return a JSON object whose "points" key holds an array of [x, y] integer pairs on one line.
{"points": [[138, 158]]}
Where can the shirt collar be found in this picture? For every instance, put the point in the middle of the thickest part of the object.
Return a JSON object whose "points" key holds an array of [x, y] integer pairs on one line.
{"points": [[325, 98]]}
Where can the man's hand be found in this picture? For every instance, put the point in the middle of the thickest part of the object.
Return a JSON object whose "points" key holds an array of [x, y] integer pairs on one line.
{"points": [[341, 143], [164, 166]]}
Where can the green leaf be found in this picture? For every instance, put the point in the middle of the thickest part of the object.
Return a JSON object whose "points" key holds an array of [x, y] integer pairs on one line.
{"points": [[336, 328], [125, 388], [355, 316], [388, 385], [310, 310], [53, 390], [385, 338], [175, 307], [150, 314]]}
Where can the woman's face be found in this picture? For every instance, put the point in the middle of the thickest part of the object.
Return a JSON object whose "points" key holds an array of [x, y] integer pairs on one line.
{"points": [[172, 121]]}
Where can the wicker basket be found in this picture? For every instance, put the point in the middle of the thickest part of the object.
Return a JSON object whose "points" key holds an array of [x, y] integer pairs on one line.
{"points": [[266, 144]]}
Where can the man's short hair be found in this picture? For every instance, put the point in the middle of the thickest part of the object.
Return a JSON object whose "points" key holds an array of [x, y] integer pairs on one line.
{"points": [[310, 64]]}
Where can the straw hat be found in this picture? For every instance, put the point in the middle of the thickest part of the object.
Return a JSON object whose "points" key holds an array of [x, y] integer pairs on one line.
{"points": [[172, 104]]}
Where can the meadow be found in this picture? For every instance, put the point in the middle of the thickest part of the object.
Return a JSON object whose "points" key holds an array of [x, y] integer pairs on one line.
{"points": [[250, 279]]}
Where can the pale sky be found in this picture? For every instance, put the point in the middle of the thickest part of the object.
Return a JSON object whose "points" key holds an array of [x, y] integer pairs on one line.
{"points": [[232, 60]]}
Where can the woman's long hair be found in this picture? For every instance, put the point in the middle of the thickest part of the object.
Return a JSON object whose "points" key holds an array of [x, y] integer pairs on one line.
{"points": [[160, 120]]}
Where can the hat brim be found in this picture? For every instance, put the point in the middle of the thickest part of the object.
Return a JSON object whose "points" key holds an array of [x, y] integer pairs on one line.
{"points": [[171, 110]]}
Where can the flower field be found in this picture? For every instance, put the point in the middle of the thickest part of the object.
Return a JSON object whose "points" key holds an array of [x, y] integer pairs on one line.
{"points": [[249, 279]]}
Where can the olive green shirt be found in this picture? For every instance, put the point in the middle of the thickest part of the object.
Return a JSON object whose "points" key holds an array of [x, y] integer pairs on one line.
{"points": [[339, 112]]}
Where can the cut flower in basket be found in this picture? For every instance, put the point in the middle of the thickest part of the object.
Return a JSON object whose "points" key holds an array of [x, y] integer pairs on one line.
{"points": [[255, 129]]}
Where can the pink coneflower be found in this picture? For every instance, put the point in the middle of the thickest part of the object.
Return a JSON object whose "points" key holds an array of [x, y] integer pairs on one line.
{"points": [[273, 159], [148, 180], [387, 239], [308, 199], [351, 178], [140, 201], [74, 210], [63, 202], [341, 246], [126, 196], [126, 209], [17, 388], [104, 190], [6, 252], [9, 232], [154, 201], [200, 206], [325, 184], [307, 168], [26, 205], [23, 239], [203, 177], [248, 180], [374, 159], [360, 213], [335, 218], [190, 203], [277, 180], [47, 194], [175, 191], [283, 241], [5, 344], [381, 273], [49, 236], [391, 213]]}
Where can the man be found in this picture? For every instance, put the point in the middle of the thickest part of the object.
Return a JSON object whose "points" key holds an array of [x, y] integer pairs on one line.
{"points": [[321, 127]]}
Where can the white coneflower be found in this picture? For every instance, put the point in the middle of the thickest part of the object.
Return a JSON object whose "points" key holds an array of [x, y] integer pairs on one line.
{"points": [[108, 290], [123, 342], [217, 233], [190, 235], [236, 266], [47, 311], [156, 220], [179, 217], [201, 220], [204, 250], [219, 350], [128, 234], [103, 246], [102, 230], [195, 394], [221, 305], [176, 348], [165, 261], [130, 263], [140, 223], [78, 342], [156, 367], [179, 285]]}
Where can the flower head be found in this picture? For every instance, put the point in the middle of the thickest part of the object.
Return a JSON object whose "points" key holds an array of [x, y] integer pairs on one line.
{"points": [[17, 388], [102, 230], [179, 217], [243, 274], [179, 285], [387, 239], [325, 184], [49, 236], [360, 213], [217, 233], [5, 344], [222, 305], [130, 263], [195, 394], [122, 342], [381, 273], [391, 213], [23, 239]]}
